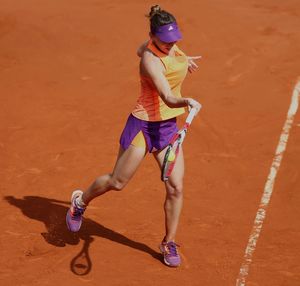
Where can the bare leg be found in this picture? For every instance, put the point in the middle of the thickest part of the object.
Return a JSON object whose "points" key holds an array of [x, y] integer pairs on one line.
{"points": [[125, 167], [174, 194]]}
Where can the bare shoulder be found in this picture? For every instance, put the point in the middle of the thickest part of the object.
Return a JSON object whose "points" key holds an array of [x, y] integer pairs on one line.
{"points": [[142, 48], [149, 60]]}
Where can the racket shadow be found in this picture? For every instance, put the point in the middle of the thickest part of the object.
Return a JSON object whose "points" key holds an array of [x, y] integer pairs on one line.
{"points": [[52, 213]]}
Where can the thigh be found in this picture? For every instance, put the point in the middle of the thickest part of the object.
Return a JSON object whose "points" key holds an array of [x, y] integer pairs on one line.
{"points": [[176, 177], [127, 162]]}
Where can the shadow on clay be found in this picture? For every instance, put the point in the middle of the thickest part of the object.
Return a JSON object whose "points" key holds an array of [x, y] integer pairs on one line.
{"points": [[53, 212]]}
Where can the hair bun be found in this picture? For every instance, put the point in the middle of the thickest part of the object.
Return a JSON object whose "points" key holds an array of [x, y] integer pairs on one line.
{"points": [[154, 10]]}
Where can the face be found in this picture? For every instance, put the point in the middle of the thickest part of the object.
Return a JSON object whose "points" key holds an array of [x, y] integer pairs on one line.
{"points": [[164, 47]]}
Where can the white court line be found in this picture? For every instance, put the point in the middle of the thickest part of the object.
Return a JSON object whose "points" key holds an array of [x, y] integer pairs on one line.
{"points": [[261, 213]]}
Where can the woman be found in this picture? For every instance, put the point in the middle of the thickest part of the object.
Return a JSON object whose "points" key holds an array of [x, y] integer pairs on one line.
{"points": [[150, 127]]}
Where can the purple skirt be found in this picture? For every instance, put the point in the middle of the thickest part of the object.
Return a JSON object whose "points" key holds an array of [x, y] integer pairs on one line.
{"points": [[157, 134]]}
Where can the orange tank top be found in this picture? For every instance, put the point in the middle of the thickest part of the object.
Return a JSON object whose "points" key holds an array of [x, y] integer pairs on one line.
{"points": [[150, 106]]}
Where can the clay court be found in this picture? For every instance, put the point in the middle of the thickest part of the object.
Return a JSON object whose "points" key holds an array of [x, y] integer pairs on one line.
{"points": [[69, 78]]}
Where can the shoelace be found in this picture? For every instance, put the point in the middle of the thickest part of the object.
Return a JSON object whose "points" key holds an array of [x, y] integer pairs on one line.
{"points": [[77, 211], [172, 248]]}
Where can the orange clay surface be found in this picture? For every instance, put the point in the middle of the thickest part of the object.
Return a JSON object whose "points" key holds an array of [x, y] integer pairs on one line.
{"points": [[69, 79]]}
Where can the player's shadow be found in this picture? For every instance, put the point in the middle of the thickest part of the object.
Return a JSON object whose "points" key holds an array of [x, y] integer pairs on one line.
{"points": [[52, 213]]}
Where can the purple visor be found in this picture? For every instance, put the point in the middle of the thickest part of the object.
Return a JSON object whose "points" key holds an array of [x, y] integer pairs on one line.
{"points": [[168, 33]]}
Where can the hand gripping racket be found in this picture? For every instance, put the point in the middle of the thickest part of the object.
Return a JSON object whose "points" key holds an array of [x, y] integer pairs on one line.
{"points": [[174, 146]]}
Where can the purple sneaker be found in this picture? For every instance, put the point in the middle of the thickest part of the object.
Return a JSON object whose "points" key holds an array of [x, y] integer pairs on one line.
{"points": [[170, 253], [74, 214]]}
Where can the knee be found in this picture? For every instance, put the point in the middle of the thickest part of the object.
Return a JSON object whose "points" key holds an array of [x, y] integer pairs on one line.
{"points": [[175, 191], [117, 184], [109, 182]]}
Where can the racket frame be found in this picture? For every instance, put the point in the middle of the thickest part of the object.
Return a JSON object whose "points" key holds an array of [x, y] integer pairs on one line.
{"points": [[178, 138]]}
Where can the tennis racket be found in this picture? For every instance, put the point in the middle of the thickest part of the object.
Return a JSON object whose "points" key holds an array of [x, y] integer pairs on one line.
{"points": [[174, 146]]}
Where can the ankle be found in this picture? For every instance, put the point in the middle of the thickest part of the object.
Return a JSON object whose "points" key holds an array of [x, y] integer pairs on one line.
{"points": [[80, 203], [167, 239]]}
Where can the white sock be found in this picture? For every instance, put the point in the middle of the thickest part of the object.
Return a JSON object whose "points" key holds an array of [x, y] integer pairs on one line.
{"points": [[79, 202]]}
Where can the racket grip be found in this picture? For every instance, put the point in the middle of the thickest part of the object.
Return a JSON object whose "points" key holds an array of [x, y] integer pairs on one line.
{"points": [[191, 116]]}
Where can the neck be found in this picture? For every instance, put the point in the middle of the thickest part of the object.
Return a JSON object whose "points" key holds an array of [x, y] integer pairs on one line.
{"points": [[159, 48]]}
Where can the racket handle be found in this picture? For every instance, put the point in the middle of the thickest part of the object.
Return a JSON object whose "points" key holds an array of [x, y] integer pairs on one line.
{"points": [[191, 116]]}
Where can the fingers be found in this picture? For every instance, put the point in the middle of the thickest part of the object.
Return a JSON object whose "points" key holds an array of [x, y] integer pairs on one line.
{"points": [[192, 66], [195, 57], [192, 103]]}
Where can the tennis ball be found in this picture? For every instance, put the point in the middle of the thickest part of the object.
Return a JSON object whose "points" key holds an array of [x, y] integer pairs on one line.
{"points": [[171, 156]]}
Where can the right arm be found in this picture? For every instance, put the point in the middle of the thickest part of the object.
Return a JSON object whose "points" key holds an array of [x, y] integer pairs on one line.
{"points": [[152, 66]]}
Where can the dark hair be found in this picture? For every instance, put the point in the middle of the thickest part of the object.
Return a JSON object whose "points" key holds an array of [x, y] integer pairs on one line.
{"points": [[159, 18]]}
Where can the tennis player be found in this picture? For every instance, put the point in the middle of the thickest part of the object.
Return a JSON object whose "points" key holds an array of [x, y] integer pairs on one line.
{"points": [[150, 127]]}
